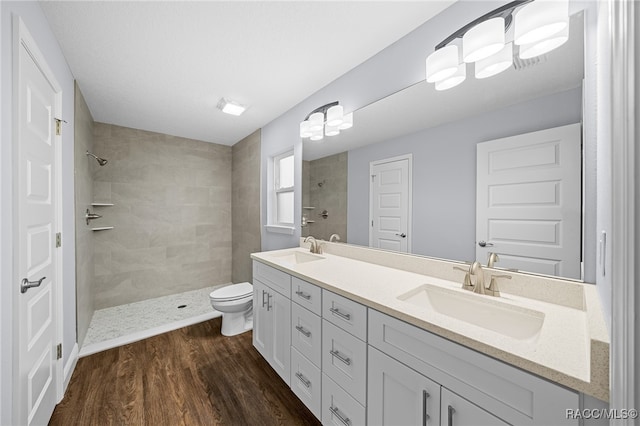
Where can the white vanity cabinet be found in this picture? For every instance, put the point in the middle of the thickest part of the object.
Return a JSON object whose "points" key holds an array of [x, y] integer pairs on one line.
{"points": [[353, 365], [475, 389], [272, 317]]}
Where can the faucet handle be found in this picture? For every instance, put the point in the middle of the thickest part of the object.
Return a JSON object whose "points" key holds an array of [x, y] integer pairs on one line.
{"points": [[493, 285], [466, 284]]}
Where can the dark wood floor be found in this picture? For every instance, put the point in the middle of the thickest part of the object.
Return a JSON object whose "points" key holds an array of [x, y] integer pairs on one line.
{"points": [[191, 376]]}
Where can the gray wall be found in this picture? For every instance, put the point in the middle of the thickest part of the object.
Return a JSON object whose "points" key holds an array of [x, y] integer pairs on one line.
{"points": [[245, 205], [172, 215], [83, 129], [325, 188], [444, 172]]}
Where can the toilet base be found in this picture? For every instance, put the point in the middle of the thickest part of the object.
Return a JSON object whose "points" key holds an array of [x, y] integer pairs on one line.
{"points": [[236, 323]]}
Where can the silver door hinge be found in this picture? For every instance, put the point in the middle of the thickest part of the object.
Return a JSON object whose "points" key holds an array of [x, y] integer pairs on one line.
{"points": [[59, 351], [58, 239], [59, 122]]}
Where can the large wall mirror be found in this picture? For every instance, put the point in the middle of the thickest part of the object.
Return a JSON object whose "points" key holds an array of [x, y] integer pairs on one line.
{"points": [[439, 132]]}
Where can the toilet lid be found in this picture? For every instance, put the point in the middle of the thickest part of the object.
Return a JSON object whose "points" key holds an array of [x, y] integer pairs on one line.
{"points": [[232, 292]]}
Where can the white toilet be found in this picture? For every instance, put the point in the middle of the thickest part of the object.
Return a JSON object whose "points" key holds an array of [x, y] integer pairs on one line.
{"points": [[236, 304]]}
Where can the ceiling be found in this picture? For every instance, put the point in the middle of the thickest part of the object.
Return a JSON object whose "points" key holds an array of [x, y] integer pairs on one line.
{"points": [[162, 66]]}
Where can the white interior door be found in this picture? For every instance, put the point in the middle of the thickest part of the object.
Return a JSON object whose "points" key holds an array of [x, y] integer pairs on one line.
{"points": [[528, 207], [390, 195], [35, 322]]}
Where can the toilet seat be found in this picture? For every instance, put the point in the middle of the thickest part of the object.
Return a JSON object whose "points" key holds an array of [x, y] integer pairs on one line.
{"points": [[232, 292]]}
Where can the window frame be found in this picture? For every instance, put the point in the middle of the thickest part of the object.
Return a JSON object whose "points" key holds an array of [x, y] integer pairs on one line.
{"points": [[277, 189]]}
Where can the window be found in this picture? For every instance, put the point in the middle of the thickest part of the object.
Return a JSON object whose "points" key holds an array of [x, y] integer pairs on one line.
{"points": [[283, 166]]}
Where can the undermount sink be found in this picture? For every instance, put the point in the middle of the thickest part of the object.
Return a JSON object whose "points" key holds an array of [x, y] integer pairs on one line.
{"points": [[512, 321], [296, 257]]}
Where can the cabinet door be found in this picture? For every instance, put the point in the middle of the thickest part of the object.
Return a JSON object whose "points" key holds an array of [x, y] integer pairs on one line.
{"points": [[457, 411], [261, 319], [279, 308], [397, 395]]}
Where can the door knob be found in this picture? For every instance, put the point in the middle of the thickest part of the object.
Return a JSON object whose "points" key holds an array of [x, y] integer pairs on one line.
{"points": [[26, 284], [485, 244], [403, 235]]}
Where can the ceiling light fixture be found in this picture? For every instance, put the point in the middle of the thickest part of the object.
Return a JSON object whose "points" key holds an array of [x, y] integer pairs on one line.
{"points": [[539, 27], [231, 107], [326, 120]]}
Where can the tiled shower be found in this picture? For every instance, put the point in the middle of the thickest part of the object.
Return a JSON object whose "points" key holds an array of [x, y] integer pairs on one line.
{"points": [[166, 223]]}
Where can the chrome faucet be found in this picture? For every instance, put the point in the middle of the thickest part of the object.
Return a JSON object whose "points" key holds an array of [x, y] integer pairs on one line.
{"points": [[334, 237], [493, 258], [315, 248]]}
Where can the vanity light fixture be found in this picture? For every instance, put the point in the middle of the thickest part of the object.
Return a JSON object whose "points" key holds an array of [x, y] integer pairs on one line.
{"points": [[326, 120], [539, 27], [231, 107]]}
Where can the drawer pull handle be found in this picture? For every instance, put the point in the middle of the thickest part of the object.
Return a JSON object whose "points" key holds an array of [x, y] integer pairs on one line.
{"points": [[263, 301], [341, 357], [269, 305], [450, 411], [303, 295], [303, 379], [343, 419], [336, 311], [425, 415], [302, 330]]}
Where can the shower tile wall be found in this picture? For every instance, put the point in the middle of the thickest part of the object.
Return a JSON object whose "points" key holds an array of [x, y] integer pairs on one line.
{"points": [[83, 135], [171, 213], [326, 180], [245, 205]]}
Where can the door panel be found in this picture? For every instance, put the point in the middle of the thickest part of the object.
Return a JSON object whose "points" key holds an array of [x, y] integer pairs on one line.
{"points": [[36, 318], [399, 395], [390, 195], [528, 205]]}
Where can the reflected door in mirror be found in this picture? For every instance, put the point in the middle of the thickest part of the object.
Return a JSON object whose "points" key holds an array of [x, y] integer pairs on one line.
{"points": [[529, 201], [390, 192]]}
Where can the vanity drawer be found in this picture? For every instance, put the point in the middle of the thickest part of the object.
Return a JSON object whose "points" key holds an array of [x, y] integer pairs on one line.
{"points": [[306, 382], [338, 407], [306, 333], [274, 278], [307, 295], [344, 359], [346, 314]]}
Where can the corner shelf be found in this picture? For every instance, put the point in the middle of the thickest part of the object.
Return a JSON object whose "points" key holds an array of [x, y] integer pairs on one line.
{"points": [[308, 208], [103, 228], [102, 204]]}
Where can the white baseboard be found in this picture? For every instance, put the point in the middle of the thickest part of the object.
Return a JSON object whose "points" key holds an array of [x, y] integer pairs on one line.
{"points": [[140, 335]]}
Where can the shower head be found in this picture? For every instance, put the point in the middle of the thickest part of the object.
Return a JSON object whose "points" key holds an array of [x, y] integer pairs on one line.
{"points": [[100, 161]]}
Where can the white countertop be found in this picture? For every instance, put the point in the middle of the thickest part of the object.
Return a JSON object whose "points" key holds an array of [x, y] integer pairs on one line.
{"points": [[572, 347]]}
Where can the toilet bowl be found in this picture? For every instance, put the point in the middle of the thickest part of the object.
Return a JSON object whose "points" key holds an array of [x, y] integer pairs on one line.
{"points": [[236, 304]]}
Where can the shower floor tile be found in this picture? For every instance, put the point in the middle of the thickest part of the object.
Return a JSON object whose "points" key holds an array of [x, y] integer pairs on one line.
{"points": [[119, 325]]}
